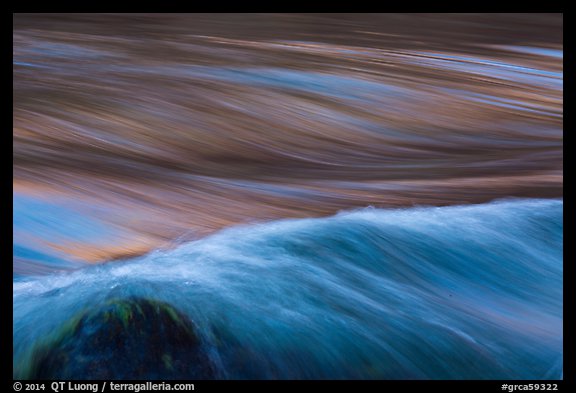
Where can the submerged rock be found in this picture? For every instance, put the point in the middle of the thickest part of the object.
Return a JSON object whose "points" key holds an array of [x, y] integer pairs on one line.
{"points": [[132, 338]]}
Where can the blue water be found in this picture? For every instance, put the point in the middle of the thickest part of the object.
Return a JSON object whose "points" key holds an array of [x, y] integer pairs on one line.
{"points": [[39, 223], [471, 292]]}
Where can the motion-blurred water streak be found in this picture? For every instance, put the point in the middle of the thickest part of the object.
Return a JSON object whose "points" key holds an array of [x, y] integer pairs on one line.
{"points": [[287, 196], [459, 292], [181, 124]]}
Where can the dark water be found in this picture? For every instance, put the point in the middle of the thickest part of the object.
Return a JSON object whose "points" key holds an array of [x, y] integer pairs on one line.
{"points": [[139, 133]]}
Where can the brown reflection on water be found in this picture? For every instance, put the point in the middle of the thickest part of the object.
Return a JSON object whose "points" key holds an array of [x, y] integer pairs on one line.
{"points": [[184, 124]]}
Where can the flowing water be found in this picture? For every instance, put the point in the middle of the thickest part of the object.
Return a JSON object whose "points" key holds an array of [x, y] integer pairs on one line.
{"points": [[223, 164]]}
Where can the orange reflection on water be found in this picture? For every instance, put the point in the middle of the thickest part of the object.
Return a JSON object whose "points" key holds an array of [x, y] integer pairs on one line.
{"points": [[185, 124]]}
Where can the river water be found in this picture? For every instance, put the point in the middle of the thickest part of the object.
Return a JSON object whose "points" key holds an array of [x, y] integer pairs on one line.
{"points": [[316, 188]]}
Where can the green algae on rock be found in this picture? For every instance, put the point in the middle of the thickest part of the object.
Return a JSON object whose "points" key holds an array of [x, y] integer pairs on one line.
{"points": [[133, 338]]}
